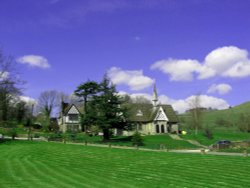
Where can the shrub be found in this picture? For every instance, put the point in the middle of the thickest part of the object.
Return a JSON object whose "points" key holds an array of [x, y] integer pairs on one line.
{"points": [[137, 139], [208, 133], [223, 122]]}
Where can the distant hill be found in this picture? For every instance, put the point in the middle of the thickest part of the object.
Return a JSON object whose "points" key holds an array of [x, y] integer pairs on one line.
{"points": [[221, 118]]}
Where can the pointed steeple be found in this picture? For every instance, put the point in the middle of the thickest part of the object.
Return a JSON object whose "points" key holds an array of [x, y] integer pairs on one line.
{"points": [[155, 97]]}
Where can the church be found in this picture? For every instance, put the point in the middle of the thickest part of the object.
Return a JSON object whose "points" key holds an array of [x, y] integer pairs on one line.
{"points": [[152, 119], [148, 119]]}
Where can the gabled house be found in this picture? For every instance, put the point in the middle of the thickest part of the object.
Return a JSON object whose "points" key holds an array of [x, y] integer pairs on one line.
{"points": [[152, 118], [146, 118], [70, 118]]}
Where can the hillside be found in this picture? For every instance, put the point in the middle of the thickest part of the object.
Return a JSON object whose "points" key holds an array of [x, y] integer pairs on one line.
{"points": [[213, 118]]}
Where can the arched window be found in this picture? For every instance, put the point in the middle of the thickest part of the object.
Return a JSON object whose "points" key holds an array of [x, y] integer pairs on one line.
{"points": [[157, 128], [162, 129]]}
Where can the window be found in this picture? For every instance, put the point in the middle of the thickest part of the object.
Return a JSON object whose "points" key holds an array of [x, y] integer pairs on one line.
{"points": [[73, 117]]}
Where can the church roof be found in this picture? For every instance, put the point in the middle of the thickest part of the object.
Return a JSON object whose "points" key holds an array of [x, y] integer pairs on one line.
{"points": [[147, 113]]}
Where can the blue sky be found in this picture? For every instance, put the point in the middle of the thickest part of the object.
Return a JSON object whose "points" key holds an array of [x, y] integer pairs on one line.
{"points": [[186, 47]]}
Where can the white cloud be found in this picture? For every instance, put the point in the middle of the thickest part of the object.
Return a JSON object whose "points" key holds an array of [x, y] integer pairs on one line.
{"points": [[240, 69], [28, 100], [34, 61], [223, 58], [134, 79], [179, 70], [206, 101], [219, 88], [228, 61], [181, 105]]}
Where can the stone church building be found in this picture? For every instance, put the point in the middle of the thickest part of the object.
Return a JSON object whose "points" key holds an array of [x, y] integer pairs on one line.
{"points": [[153, 118], [147, 119]]}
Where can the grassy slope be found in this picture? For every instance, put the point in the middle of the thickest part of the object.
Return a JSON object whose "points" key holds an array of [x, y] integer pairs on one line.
{"points": [[41, 164], [221, 133], [217, 135], [232, 114]]}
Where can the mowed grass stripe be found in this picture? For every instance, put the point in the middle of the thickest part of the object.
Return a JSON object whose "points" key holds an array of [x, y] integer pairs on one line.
{"points": [[39, 171], [63, 165], [100, 181]]}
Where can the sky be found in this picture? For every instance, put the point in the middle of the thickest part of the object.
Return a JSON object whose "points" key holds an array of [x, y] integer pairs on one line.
{"points": [[185, 47]]}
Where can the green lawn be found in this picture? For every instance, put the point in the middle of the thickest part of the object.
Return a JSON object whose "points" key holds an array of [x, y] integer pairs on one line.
{"points": [[150, 141], [154, 142], [45, 164], [217, 135]]}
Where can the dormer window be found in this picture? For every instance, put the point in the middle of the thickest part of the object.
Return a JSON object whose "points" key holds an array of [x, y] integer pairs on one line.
{"points": [[139, 113]]}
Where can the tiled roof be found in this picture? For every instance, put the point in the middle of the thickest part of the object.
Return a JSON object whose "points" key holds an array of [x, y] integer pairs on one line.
{"points": [[147, 113], [67, 107]]}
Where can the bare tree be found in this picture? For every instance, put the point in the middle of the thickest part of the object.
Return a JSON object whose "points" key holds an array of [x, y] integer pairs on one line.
{"points": [[196, 112], [48, 101], [9, 86]]}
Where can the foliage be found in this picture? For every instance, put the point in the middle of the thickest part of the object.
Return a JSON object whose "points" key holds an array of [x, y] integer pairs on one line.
{"points": [[87, 90], [105, 109], [243, 122], [9, 89], [208, 133], [137, 139], [222, 122]]}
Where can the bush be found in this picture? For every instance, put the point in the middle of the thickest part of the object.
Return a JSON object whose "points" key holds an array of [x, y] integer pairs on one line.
{"points": [[208, 133], [12, 132], [137, 139], [223, 122]]}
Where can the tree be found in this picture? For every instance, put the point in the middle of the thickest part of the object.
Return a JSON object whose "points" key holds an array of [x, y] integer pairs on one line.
{"points": [[9, 87], [196, 113], [87, 90], [105, 109], [47, 102], [243, 122]]}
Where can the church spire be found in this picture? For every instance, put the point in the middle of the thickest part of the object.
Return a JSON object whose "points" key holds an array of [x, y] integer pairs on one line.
{"points": [[155, 96]]}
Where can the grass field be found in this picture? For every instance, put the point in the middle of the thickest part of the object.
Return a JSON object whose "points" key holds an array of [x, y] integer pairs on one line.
{"points": [[44, 164], [149, 141], [231, 115], [217, 135]]}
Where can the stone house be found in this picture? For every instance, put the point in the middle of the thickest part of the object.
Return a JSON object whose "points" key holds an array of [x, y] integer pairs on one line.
{"points": [[146, 118], [70, 118], [152, 118]]}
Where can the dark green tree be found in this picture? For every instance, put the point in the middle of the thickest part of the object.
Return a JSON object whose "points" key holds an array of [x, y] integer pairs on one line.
{"points": [[21, 111], [106, 110], [86, 91]]}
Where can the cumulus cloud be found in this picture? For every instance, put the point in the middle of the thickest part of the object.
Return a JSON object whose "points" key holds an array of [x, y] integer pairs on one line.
{"points": [[219, 88], [228, 61], [134, 79], [179, 70], [28, 100], [34, 61], [181, 105], [206, 101]]}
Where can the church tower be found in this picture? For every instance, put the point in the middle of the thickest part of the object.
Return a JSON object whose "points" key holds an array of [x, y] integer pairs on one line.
{"points": [[155, 97]]}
